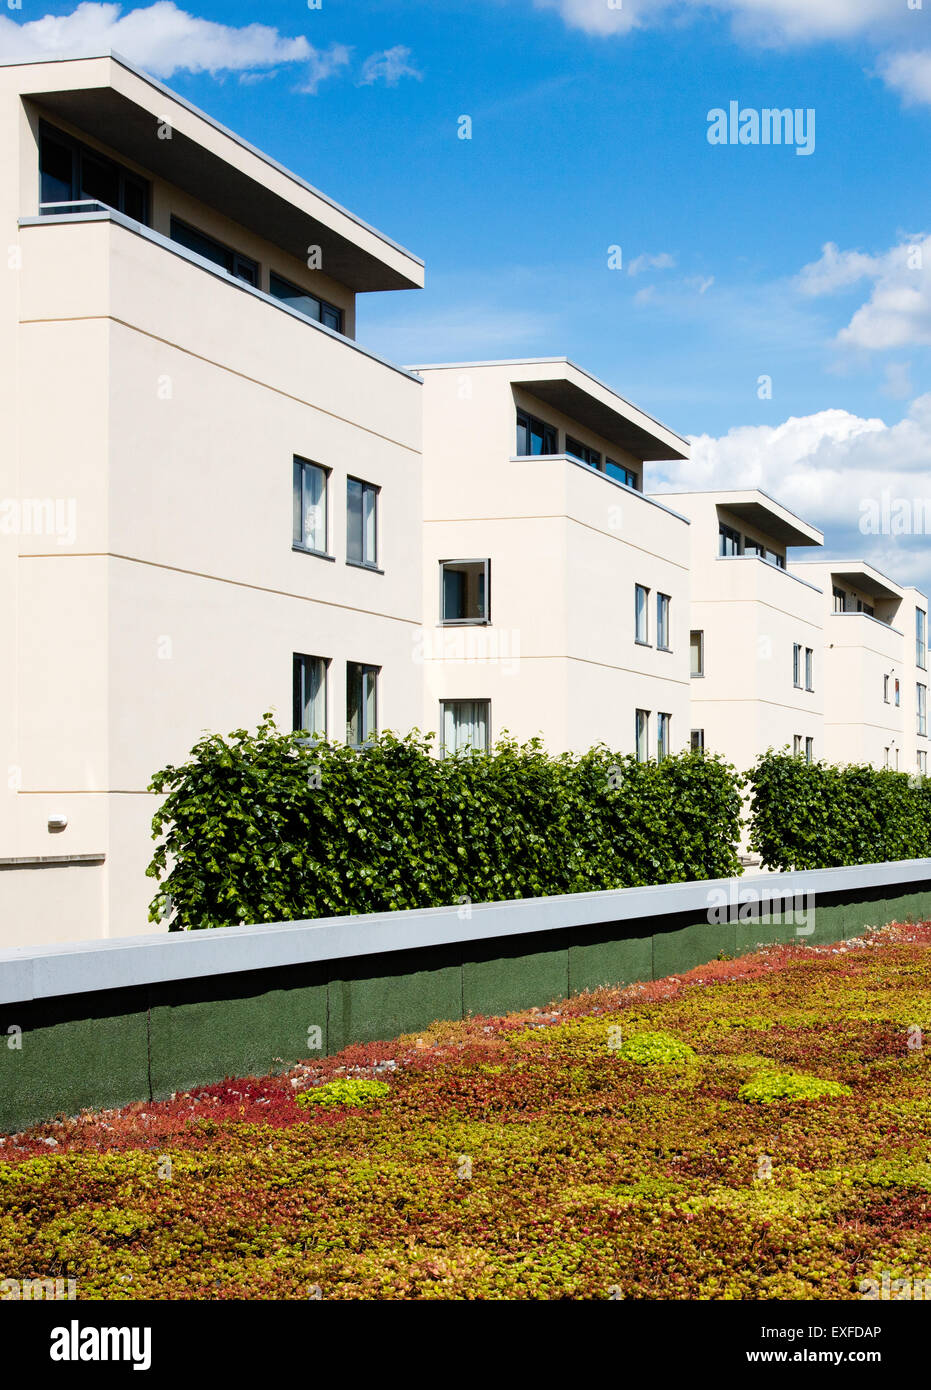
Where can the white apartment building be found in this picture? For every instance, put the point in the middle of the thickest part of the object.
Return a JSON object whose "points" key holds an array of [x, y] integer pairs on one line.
{"points": [[211, 493], [556, 593], [215, 502], [875, 659], [756, 628]]}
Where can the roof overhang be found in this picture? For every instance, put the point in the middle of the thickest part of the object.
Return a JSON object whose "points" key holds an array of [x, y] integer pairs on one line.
{"points": [[765, 514], [595, 406], [122, 108], [859, 575]]}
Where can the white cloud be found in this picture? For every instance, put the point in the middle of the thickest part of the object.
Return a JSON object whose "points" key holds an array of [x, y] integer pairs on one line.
{"points": [[831, 468], [702, 283], [164, 40], [909, 74], [662, 261], [759, 21], [388, 67], [160, 38], [898, 311], [323, 64]]}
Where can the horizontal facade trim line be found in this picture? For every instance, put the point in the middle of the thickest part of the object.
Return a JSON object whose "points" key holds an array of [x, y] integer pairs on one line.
{"points": [[215, 579], [176, 249], [124, 962], [224, 367]]}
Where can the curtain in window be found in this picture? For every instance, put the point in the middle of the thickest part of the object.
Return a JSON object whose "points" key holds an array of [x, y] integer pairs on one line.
{"points": [[465, 725]]}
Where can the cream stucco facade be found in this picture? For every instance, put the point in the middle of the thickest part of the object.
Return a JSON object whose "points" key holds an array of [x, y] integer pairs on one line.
{"points": [[555, 650], [756, 627], [875, 665], [153, 403]]}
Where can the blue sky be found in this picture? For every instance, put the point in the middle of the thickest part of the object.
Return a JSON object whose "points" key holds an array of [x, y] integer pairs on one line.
{"points": [[589, 130]]}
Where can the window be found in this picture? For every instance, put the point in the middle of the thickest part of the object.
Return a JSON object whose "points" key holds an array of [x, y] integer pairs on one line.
{"points": [[923, 763], [663, 735], [305, 303], [754, 548], [464, 591], [641, 614], [697, 740], [922, 691], [885, 690], [620, 474], [897, 692], [728, 540], [534, 436], [697, 653], [69, 172], [582, 452], [796, 745], [773, 557], [866, 608], [809, 669], [921, 643], [361, 703], [465, 725], [662, 622], [809, 750], [642, 735], [361, 523], [840, 600], [797, 666], [309, 507], [212, 250], [309, 684]]}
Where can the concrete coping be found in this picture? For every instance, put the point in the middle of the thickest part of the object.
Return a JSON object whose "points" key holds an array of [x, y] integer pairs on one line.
{"points": [[85, 966]]}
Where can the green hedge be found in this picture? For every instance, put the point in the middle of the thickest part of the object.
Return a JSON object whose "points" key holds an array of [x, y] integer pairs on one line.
{"points": [[265, 827], [818, 816]]}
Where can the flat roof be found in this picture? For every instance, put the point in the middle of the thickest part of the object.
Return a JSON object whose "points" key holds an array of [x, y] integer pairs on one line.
{"points": [[562, 384], [218, 167], [761, 511]]}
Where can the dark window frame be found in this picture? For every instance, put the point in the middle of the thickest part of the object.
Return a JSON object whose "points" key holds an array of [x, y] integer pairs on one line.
{"points": [[79, 151], [645, 590], [298, 543], [460, 700], [364, 668], [485, 619], [664, 607], [646, 735], [698, 632], [584, 453], [323, 305], [728, 533], [375, 489], [239, 266], [299, 662], [534, 425]]}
